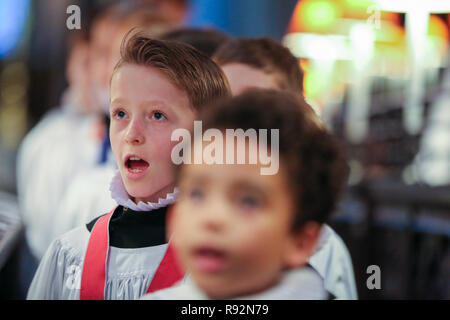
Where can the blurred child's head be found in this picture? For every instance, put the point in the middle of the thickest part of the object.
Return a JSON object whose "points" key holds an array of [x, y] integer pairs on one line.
{"points": [[204, 40], [156, 87], [236, 230], [259, 63], [141, 18], [77, 73], [173, 10], [103, 29]]}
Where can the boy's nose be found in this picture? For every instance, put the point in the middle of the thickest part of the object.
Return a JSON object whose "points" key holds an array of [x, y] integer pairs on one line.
{"points": [[135, 133], [215, 217]]}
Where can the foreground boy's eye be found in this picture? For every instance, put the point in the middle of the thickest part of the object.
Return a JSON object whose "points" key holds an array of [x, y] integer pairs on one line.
{"points": [[158, 116], [249, 202], [196, 194]]}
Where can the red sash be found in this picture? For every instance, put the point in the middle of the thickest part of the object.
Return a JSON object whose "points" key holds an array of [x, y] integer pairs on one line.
{"points": [[93, 277]]}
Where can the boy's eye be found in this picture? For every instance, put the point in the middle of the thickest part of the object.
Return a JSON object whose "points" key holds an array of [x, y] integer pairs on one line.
{"points": [[196, 194], [158, 116], [120, 114], [249, 202]]}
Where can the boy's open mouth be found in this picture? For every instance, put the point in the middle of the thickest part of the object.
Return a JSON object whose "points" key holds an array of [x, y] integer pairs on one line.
{"points": [[135, 164], [209, 259]]}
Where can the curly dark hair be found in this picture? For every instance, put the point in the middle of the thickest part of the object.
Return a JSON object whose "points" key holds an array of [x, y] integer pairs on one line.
{"points": [[315, 164]]}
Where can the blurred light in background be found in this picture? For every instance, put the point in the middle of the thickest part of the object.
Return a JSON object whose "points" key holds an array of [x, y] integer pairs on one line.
{"points": [[372, 70], [361, 39], [417, 22], [14, 80], [13, 17], [315, 16], [13, 101], [249, 18]]}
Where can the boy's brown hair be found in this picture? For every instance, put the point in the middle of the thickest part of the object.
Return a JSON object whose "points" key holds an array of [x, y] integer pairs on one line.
{"points": [[267, 55], [190, 70], [314, 162]]}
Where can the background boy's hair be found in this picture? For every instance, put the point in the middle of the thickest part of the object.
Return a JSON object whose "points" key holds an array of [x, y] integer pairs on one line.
{"points": [[314, 163], [190, 70], [145, 18], [204, 40], [267, 55]]}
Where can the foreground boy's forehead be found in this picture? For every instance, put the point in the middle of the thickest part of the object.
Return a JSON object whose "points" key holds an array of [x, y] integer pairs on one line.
{"points": [[231, 176]]}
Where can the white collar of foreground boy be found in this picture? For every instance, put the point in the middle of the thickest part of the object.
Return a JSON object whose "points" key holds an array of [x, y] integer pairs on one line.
{"points": [[120, 195], [296, 284]]}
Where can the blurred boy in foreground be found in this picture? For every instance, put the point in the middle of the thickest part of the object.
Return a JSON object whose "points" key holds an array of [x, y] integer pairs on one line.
{"points": [[242, 234]]}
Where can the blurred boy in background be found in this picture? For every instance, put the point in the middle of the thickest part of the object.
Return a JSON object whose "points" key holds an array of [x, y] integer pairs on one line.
{"points": [[204, 40], [62, 143], [259, 63]]}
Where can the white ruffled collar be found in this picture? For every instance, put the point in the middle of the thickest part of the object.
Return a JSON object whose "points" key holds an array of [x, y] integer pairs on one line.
{"points": [[120, 195]]}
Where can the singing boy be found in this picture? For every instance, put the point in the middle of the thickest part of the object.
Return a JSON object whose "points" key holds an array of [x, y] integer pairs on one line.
{"points": [[156, 87]]}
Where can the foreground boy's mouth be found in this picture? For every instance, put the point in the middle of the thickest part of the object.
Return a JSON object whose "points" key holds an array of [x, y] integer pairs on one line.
{"points": [[209, 259], [135, 166]]}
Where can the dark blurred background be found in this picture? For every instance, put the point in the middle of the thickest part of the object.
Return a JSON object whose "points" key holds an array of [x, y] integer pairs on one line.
{"points": [[380, 83]]}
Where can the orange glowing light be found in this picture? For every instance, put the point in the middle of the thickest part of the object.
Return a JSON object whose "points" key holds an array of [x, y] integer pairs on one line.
{"points": [[316, 16], [324, 16], [437, 27], [363, 9]]}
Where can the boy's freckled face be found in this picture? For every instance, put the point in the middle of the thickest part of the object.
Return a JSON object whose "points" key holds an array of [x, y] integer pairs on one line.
{"points": [[232, 227], [145, 108], [242, 77]]}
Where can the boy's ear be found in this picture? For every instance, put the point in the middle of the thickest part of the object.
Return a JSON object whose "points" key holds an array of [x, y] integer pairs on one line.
{"points": [[302, 245]]}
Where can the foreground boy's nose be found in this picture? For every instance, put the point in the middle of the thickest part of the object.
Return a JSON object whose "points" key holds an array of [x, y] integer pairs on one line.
{"points": [[215, 217], [134, 134]]}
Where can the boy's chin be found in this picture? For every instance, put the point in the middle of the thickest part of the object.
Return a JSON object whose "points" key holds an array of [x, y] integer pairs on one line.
{"points": [[140, 190], [141, 199], [139, 194]]}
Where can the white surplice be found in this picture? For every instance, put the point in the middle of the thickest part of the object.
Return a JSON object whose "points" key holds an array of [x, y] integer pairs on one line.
{"points": [[129, 271], [297, 284], [51, 154]]}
